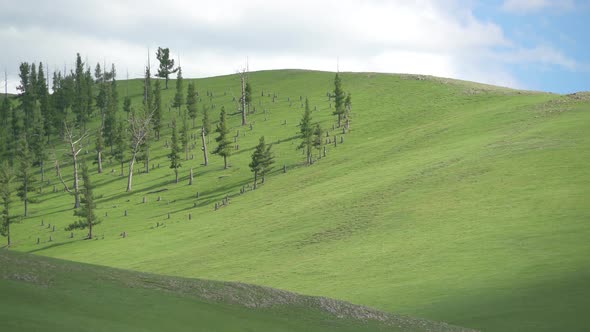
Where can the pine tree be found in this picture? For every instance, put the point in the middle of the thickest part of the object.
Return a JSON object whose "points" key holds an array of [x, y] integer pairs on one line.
{"points": [[348, 105], [6, 179], [179, 96], [267, 161], [166, 64], [262, 160], [80, 93], [44, 102], [157, 119], [38, 143], [147, 87], [206, 122], [120, 146], [127, 105], [257, 156], [86, 211], [23, 114], [306, 130], [174, 155], [223, 143], [338, 98], [248, 95], [26, 175], [184, 135], [191, 102], [318, 139], [112, 108]]}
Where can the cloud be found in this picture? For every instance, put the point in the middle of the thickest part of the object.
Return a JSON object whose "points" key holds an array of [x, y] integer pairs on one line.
{"points": [[441, 38], [528, 6]]}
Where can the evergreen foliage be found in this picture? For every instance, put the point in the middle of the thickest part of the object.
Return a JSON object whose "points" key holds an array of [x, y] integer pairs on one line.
{"points": [[86, 211], [174, 154], [223, 141], [306, 132], [6, 179], [166, 64], [191, 102]]}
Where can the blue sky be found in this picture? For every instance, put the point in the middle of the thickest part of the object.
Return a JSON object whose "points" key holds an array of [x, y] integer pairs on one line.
{"points": [[562, 26], [525, 44]]}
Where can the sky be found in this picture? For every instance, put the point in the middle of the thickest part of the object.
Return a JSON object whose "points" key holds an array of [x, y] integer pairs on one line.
{"points": [[525, 44]]}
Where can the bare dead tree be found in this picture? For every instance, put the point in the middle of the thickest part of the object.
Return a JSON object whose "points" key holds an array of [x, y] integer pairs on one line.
{"points": [[75, 146], [243, 75], [139, 125], [204, 148]]}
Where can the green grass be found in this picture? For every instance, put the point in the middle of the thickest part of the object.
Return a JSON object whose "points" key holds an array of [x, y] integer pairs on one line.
{"points": [[53, 295], [448, 200]]}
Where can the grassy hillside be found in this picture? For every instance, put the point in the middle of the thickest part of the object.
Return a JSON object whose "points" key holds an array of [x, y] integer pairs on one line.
{"points": [[448, 200], [53, 295]]}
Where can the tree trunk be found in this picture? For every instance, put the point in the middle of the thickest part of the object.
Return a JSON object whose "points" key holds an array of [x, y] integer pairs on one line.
{"points": [[176, 174], [8, 231], [147, 159], [204, 148], [76, 184], [339, 119], [255, 178], [224, 162], [190, 181], [90, 231], [99, 162], [186, 152], [42, 164], [130, 176], [122, 169], [243, 99]]}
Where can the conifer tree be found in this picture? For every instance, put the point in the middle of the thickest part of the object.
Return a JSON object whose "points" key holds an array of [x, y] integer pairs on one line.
{"points": [[267, 161], [184, 135], [318, 139], [23, 113], [38, 144], [338, 98], [257, 156], [191, 102], [179, 96], [248, 95], [127, 105], [166, 64], [44, 102], [6, 179], [174, 155], [348, 105], [262, 160], [157, 119], [306, 130], [206, 122], [86, 211], [112, 108], [26, 175], [120, 146], [223, 142]]}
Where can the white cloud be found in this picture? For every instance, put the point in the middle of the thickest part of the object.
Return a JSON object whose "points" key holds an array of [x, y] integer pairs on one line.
{"points": [[528, 6], [440, 38]]}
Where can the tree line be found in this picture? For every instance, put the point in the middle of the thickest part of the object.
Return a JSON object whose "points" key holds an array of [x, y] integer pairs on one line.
{"points": [[41, 124]]}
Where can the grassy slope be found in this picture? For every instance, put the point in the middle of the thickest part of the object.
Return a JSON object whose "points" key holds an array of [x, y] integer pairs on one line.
{"points": [[448, 200], [54, 295]]}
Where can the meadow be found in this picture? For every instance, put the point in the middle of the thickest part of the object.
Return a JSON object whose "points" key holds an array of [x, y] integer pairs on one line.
{"points": [[447, 200]]}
